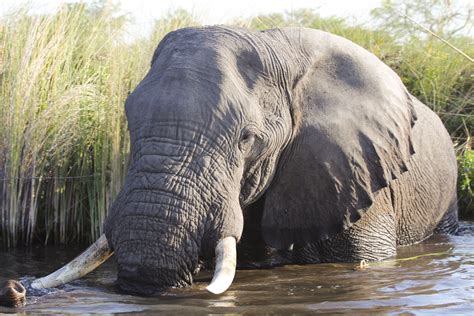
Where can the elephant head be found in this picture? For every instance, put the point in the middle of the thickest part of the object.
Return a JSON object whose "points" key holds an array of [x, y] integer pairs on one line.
{"points": [[207, 124], [305, 121]]}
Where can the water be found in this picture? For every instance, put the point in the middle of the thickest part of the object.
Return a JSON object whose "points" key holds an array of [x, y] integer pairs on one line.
{"points": [[433, 277]]}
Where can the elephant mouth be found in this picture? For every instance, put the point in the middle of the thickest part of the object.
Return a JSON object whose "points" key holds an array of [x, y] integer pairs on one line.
{"points": [[12, 294]]}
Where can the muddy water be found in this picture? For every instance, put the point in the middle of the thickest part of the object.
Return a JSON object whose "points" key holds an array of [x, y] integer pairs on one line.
{"points": [[436, 276]]}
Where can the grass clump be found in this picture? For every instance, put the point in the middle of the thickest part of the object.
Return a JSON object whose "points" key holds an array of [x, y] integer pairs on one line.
{"points": [[64, 145], [62, 117]]}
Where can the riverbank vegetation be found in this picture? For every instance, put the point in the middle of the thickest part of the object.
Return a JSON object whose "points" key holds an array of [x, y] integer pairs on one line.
{"points": [[64, 78]]}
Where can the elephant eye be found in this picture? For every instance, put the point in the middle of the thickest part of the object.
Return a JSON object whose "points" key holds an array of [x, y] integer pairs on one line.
{"points": [[247, 138]]}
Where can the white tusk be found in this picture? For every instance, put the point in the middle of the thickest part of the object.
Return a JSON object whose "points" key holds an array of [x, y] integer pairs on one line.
{"points": [[86, 262], [226, 260]]}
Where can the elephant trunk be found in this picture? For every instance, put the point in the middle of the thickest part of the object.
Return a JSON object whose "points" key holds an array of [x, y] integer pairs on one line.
{"points": [[176, 205], [12, 294], [158, 240], [156, 244]]}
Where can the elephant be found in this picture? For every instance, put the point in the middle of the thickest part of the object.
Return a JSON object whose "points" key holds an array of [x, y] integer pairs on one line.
{"points": [[288, 141]]}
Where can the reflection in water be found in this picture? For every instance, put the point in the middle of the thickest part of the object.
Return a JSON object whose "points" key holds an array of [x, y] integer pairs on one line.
{"points": [[434, 276]]}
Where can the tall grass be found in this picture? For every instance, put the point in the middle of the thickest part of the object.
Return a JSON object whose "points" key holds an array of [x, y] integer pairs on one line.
{"points": [[63, 139], [64, 78]]}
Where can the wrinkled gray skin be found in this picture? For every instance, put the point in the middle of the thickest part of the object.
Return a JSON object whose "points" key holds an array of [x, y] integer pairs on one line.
{"points": [[291, 139]]}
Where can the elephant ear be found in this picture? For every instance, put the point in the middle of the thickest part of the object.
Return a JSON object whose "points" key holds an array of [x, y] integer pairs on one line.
{"points": [[352, 125]]}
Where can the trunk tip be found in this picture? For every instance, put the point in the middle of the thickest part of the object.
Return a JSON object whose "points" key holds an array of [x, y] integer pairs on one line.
{"points": [[12, 294]]}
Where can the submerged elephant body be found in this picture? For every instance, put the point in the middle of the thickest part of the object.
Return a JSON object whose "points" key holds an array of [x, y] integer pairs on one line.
{"points": [[293, 139]]}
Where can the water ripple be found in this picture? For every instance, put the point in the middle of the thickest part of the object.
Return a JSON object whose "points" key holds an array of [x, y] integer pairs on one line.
{"points": [[436, 276]]}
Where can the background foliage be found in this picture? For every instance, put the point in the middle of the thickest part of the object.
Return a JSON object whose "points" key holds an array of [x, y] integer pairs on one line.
{"points": [[64, 78]]}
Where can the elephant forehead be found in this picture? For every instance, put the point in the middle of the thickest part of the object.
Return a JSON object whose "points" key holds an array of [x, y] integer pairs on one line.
{"points": [[234, 53], [185, 96], [202, 46], [185, 99]]}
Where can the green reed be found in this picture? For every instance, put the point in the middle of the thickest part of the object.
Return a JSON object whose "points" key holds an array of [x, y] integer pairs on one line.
{"points": [[64, 78]]}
